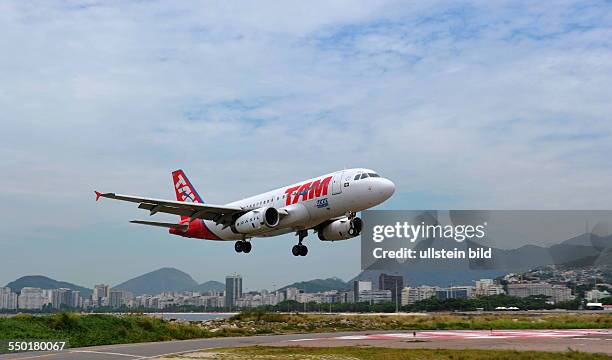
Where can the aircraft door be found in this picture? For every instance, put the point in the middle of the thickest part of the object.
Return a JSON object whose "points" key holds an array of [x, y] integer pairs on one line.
{"points": [[337, 183]]}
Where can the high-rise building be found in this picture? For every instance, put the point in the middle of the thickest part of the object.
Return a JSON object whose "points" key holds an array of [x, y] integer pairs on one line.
{"points": [[62, 298], [562, 293], [47, 296], [100, 295], [529, 289], [292, 293], [393, 283], [410, 295], [557, 293], [8, 299], [233, 290], [487, 287], [347, 297], [76, 300], [116, 299], [359, 286], [30, 298]]}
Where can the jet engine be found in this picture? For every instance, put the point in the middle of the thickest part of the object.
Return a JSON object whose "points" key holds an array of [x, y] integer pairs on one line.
{"points": [[341, 229], [256, 220]]}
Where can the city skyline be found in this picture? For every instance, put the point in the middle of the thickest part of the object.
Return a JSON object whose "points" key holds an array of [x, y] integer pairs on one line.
{"points": [[92, 284], [248, 97], [390, 290]]}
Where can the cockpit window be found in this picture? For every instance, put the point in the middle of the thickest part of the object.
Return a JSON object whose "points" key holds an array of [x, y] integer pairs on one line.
{"points": [[374, 175], [363, 176], [357, 177]]}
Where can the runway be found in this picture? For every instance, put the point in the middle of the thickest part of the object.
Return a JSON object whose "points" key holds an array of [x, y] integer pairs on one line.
{"points": [[597, 340]]}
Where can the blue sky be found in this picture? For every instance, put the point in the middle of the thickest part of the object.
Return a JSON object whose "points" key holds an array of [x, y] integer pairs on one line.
{"points": [[464, 105]]}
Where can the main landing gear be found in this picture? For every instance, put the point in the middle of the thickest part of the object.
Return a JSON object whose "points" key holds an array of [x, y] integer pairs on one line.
{"points": [[299, 249], [242, 246]]}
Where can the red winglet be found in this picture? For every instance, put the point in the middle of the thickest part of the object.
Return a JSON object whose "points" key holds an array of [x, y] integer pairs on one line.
{"points": [[98, 194]]}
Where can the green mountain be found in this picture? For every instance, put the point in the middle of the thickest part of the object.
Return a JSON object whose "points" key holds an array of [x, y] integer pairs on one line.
{"points": [[209, 286], [44, 282], [318, 285], [155, 282]]}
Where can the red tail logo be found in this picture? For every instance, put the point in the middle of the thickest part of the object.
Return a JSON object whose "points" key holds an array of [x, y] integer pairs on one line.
{"points": [[183, 188]]}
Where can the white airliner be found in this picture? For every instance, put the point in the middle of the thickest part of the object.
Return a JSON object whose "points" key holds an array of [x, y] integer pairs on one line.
{"points": [[326, 204]]}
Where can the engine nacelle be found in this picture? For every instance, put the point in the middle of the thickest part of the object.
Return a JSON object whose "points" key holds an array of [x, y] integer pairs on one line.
{"points": [[341, 229], [256, 220]]}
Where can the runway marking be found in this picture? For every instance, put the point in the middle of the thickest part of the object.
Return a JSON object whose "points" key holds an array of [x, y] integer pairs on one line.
{"points": [[173, 353], [472, 334], [36, 356], [105, 353]]}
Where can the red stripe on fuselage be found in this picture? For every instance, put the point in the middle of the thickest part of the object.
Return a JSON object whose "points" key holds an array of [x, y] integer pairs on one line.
{"points": [[197, 229]]}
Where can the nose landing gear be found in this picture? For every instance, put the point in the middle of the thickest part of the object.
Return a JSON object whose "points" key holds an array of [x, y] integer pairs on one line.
{"points": [[242, 246], [299, 249]]}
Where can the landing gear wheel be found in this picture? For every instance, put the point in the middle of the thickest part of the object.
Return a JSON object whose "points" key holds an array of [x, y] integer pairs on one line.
{"points": [[246, 247], [299, 249], [238, 246]]}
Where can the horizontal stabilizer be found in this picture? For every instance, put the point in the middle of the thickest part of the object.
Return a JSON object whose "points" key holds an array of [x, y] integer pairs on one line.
{"points": [[182, 227]]}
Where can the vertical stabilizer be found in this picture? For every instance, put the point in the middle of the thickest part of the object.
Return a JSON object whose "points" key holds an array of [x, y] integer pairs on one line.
{"points": [[183, 189]]}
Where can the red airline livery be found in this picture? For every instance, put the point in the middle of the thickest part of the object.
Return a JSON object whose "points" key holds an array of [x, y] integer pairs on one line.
{"points": [[327, 204]]}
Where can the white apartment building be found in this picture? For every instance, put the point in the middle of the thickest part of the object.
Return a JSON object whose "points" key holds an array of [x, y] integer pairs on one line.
{"points": [[487, 287], [596, 295], [100, 296], [30, 298], [410, 295], [292, 293], [557, 293], [375, 296], [8, 299], [359, 286]]}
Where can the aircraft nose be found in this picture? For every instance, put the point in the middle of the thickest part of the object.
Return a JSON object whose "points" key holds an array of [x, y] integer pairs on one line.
{"points": [[387, 188]]}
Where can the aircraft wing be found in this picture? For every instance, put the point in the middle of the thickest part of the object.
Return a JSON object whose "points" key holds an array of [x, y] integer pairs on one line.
{"points": [[218, 213]]}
